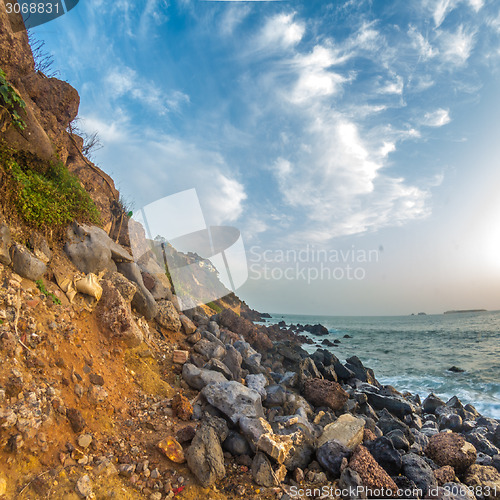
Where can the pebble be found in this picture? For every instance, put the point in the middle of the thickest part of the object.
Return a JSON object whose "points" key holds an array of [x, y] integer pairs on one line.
{"points": [[84, 440], [84, 487]]}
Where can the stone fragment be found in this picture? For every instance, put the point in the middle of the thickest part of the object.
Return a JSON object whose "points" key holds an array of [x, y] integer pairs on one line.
{"points": [[347, 430]]}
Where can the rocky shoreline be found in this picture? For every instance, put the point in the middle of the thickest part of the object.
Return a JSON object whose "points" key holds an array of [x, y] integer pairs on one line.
{"points": [[308, 423]]}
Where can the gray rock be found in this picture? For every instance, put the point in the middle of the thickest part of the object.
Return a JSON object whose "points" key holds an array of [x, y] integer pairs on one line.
{"points": [[386, 455], [454, 491], [5, 244], [419, 471], [205, 457], [252, 363], [209, 349], [399, 440], [143, 301], [26, 264], [396, 405], [263, 473], [218, 366], [244, 348], [257, 383], [236, 445], [479, 437], [83, 487], [198, 378], [330, 456], [213, 327], [276, 396], [432, 403], [289, 379], [92, 250], [253, 428], [234, 399], [452, 422]]}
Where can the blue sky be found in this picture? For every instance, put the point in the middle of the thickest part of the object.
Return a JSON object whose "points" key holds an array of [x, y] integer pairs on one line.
{"points": [[339, 125]]}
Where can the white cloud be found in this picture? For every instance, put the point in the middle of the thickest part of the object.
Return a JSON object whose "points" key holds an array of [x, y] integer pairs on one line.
{"points": [[456, 47], [394, 86], [233, 17], [281, 32], [421, 44], [228, 206], [436, 118], [125, 81]]}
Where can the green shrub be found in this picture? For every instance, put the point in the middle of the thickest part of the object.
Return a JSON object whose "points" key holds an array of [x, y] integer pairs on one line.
{"points": [[51, 198], [11, 102]]}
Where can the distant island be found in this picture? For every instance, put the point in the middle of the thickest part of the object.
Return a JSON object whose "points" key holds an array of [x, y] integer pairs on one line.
{"points": [[465, 311]]}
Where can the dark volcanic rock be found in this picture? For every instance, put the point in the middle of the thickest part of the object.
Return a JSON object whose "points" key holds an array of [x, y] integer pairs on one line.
{"points": [[449, 448], [480, 438], [419, 471], [330, 456], [386, 455], [432, 403], [396, 405], [205, 457], [325, 393], [362, 373]]}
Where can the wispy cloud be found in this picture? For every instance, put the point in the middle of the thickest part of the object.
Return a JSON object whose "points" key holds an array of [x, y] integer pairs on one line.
{"points": [[436, 118]]}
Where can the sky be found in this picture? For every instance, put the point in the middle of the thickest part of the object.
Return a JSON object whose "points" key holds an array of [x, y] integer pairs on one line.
{"points": [[363, 134]]}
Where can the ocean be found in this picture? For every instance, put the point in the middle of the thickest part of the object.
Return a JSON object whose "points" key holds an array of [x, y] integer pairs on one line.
{"points": [[414, 353]]}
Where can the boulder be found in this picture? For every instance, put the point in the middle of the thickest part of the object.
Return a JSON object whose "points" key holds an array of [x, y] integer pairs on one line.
{"points": [[205, 457], [25, 263], [209, 349], [449, 448], [360, 371], [115, 317], [275, 396], [252, 334], [372, 476], [167, 316], [347, 430], [432, 403], [386, 455], [330, 455], [5, 244], [480, 438], [218, 366], [198, 378], [232, 360], [143, 301], [234, 399], [325, 393], [187, 325], [394, 404], [486, 479], [419, 471], [253, 428], [92, 250], [257, 383], [236, 444], [126, 287], [264, 474]]}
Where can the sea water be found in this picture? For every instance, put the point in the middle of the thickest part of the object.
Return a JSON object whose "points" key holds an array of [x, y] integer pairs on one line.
{"points": [[414, 353]]}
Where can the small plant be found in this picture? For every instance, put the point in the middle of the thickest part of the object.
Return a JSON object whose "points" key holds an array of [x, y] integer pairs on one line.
{"points": [[11, 102], [41, 286], [45, 194], [214, 306]]}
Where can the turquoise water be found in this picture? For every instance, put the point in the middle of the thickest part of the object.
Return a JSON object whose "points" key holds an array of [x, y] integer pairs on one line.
{"points": [[414, 353]]}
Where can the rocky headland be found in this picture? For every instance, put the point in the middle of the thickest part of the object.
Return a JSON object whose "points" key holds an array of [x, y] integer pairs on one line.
{"points": [[109, 390]]}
